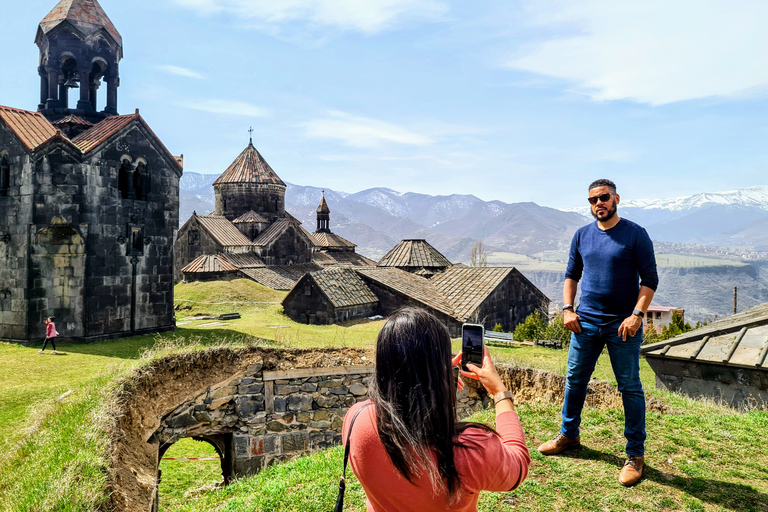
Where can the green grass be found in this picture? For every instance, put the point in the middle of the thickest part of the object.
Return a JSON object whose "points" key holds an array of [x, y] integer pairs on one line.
{"points": [[702, 458]]}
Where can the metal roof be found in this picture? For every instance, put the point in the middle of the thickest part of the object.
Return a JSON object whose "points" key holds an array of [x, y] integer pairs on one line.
{"points": [[249, 167], [739, 340], [343, 287], [86, 15], [223, 231], [414, 253]]}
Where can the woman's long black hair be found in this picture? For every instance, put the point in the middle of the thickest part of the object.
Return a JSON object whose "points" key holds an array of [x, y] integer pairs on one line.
{"points": [[415, 396]]}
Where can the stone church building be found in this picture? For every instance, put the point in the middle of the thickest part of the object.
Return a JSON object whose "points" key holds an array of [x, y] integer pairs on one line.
{"points": [[251, 235], [89, 199]]}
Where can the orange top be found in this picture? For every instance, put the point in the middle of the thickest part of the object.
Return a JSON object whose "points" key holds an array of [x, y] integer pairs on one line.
{"points": [[485, 462]]}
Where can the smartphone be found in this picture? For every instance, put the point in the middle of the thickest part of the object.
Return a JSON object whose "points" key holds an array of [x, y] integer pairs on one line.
{"points": [[472, 345]]}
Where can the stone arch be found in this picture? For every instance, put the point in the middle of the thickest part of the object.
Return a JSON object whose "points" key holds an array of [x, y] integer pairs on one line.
{"points": [[125, 178]]}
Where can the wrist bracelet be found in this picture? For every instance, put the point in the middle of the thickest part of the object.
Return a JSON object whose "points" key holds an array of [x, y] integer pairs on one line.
{"points": [[498, 397]]}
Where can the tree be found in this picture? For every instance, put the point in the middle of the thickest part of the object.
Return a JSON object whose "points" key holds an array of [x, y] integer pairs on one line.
{"points": [[532, 328], [556, 330], [479, 255]]}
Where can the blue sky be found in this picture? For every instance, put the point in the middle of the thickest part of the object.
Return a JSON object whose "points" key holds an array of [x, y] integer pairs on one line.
{"points": [[508, 100]]}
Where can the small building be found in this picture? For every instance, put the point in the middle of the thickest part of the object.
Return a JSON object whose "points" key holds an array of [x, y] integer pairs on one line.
{"points": [[417, 256], [724, 360], [658, 317]]}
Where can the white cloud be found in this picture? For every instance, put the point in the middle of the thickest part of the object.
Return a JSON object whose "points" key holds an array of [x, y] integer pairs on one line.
{"points": [[362, 132], [226, 107], [179, 71], [653, 51], [367, 16]]}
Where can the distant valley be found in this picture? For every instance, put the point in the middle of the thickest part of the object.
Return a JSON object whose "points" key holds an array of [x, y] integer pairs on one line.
{"points": [[724, 235]]}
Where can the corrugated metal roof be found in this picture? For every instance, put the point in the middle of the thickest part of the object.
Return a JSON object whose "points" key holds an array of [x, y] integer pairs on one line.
{"points": [[223, 231], [282, 277], [91, 138], [414, 253], [32, 128], [408, 284], [249, 167], [86, 15], [343, 287], [330, 240], [739, 340], [466, 288], [250, 216], [208, 263]]}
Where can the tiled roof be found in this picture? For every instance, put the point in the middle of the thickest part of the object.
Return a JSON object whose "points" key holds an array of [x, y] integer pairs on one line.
{"points": [[86, 15], [103, 130], [414, 253], [32, 128], [72, 120], [243, 260], [408, 284], [330, 240], [249, 167], [341, 258], [209, 263], [223, 231], [271, 234], [343, 287], [466, 288], [282, 277], [250, 216], [740, 340]]}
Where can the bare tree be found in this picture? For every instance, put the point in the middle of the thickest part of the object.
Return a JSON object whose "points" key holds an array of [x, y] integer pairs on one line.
{"points": [[479, 255]]}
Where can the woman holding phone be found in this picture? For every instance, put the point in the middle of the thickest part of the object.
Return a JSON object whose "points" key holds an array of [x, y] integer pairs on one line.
{"points": [[407, 448]]}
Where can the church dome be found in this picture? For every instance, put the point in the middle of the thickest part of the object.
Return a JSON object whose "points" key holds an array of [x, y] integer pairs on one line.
{"points": [[85, 15], [249, 167]]}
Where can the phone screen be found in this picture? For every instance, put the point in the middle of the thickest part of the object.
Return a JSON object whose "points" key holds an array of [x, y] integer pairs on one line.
{"points": [[471, 345]]}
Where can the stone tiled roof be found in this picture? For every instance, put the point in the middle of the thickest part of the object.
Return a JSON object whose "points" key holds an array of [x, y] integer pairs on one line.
{"points": [[249, 167], [86, 15], [341, 258], [466, 288], [343, 287], [330, 240], [102, 131], [250, 216], [244, 260], [32, 128], [222, 230], [278, 227], [414, 253], [209, 263], [408, 284], [282, 277], [323, 208], [740, 340]]}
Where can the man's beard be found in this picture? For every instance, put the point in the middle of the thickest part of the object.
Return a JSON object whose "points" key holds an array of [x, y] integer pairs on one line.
{"points": [[608, 215]]}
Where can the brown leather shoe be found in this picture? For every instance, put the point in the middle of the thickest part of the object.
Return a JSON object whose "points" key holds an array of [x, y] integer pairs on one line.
{"points": [[632, 471], [558, 444]]}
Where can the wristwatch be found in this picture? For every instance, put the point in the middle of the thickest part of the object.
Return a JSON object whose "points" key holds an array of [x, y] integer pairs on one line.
{"points": [[498, 397], [568, 306], [638, 313]]}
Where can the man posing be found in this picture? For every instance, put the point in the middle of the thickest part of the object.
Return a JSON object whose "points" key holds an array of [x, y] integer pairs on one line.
{"points": [[615, 257]]}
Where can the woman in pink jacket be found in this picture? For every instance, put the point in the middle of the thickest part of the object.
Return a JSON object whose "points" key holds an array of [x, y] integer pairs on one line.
{"points": [[50, 334], [406, 447]]}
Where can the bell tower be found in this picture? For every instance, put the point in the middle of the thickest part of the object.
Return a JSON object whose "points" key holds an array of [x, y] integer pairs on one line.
{"points": [[79, 49]]}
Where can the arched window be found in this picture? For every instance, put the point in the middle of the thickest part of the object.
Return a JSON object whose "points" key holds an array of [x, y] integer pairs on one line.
{"points": [[125, 180], [5, 175], [141, 180]]}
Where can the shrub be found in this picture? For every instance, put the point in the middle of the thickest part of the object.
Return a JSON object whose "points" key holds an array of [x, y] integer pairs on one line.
{"points": [[556, 330], [531, 329], [497, 328]]}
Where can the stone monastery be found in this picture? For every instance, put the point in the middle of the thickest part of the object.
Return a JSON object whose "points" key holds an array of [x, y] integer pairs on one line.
{"points": [[89, 199]]}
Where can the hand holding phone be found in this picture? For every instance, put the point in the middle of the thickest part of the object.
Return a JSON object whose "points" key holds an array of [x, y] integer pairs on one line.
{"points": [[472, 345]]}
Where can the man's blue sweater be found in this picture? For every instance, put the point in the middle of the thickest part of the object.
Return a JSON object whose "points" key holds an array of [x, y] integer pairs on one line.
{"points": [[615, 263]]}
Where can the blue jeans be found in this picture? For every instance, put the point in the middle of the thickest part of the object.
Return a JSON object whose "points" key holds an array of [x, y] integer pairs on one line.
{"points": [[625, 360]]}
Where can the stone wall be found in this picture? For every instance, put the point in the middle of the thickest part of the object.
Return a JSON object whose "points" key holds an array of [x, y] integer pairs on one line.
{"points": [[290, 248], [511, 302], [234, 199]]}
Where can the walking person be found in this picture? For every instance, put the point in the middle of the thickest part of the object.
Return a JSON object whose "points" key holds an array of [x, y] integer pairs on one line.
{"points": [[616, 260], [50, 335], [407, 449]]}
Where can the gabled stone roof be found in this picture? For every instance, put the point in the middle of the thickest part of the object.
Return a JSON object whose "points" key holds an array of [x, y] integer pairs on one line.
{"points": [[249, 167], [349, 258], [466, 288], [250, 217], [102, 131], [208, 263], [331, 240], [223, 231], [244, 260], [279, 277], [73, 120], [740, 340], [415, 287], [414, 253], [343, 287], [32, 128], [86, 15]]}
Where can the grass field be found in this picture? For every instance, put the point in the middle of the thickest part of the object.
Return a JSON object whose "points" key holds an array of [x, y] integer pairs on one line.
{"points": [[54, 410], [555, 262]]}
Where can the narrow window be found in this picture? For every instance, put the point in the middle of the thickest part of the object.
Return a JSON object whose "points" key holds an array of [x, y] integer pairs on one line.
{"points": [[141, 178], [194, 237], [5, 176], [135, 245], [125, 180]]}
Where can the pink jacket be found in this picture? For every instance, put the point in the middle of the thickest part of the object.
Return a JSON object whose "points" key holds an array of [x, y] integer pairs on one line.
{"points": [[50, 330]]}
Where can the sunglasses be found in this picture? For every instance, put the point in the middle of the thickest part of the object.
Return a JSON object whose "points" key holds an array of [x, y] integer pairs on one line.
{"points": [[602, 198]]}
